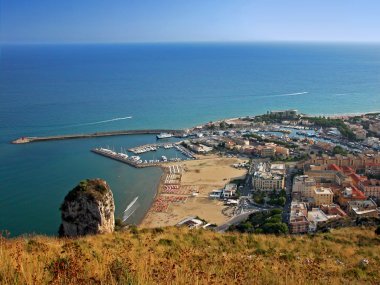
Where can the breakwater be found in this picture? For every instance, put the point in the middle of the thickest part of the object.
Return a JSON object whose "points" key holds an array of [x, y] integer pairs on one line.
{"points": [[22, 140]]}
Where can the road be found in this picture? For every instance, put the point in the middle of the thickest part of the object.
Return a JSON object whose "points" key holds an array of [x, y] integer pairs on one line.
{"points": [[286, 210], [233, 221]]}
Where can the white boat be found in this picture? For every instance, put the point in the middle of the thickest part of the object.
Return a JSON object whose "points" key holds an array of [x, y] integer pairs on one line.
{"points": [[164, 136]]}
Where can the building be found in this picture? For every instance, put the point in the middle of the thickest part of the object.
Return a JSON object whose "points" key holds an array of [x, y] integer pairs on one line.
{"points": [[366, 208], [349, 194], [323, 196], [319, 173], [375, 128], [278, 168], [282, 151], [316, 216], [298, 222], [264, 179], [267, 150], [356, 162], [303, 186], [284, 114], [372, 169], [371, 187], [333, 211], [190, 222], [229, 190], [358, 131]]}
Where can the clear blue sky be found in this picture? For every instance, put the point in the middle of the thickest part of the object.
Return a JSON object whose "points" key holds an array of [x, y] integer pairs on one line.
{"points": [[56, 21]]}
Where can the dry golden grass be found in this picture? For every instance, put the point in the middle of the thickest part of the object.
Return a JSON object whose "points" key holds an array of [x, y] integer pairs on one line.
{"points": [[181, 256]]}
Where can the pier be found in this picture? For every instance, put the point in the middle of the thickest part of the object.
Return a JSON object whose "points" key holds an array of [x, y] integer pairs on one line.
{"points": [[22, 140]]}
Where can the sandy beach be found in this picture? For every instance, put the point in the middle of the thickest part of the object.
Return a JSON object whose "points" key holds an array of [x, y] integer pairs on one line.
{"points": [[199, 176]]}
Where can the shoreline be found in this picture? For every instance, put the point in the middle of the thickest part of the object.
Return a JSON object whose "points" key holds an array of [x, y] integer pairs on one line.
{"points": [[158, 187], [189, 205]]}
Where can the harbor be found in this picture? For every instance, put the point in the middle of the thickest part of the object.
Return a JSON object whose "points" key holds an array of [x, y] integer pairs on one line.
{"points": [[138, 161]]}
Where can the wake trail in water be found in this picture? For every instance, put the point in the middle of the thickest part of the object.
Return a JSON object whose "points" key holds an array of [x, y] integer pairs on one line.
{"points": [[288, 94], [131, 208], [103, 122]]}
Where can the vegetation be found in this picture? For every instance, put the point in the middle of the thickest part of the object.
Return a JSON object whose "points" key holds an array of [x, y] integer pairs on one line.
{"points": [[268, 222], [178, 255], [333, 123], [339, 150], [291, 158], [93, 189]]}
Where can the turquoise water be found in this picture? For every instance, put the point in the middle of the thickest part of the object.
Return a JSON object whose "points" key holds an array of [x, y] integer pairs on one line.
{"points": [[55, 89]]}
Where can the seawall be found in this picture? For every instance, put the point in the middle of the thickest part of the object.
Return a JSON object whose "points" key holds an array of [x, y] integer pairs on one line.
{"points": [[23, 140]]}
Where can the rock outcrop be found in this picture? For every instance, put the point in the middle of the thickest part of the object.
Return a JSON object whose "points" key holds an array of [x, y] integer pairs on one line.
{"points": [[88, 209]]}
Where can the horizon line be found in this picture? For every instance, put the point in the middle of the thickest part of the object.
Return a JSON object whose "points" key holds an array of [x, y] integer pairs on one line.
{"points": [[193, 42]]}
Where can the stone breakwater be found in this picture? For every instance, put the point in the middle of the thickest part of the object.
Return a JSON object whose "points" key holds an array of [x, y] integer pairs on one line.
{"points": [[24, 140]]}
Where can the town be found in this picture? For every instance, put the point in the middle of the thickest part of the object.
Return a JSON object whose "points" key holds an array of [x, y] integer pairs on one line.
{"points": [[305, 174]]}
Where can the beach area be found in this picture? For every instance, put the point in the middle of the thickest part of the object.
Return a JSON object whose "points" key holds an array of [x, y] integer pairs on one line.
{"points": [[188, 194]]}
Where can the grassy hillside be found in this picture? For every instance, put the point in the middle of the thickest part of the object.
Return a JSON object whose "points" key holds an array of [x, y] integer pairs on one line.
{"points": [[181, 256]]}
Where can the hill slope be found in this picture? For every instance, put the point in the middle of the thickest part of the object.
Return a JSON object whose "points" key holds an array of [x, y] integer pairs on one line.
{"points": [[182, 256]]}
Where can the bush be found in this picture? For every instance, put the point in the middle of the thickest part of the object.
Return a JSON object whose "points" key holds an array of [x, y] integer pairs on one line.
{"points": [[377, 231]]}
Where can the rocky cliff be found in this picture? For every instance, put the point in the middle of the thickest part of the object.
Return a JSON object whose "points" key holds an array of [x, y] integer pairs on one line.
{"points": [[88, 209]]}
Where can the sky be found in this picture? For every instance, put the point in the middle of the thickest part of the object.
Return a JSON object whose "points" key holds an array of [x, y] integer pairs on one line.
{"points": [[120, 21]]}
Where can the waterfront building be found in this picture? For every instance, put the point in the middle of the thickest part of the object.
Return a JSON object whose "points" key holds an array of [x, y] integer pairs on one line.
{"points": [[284, 114]]}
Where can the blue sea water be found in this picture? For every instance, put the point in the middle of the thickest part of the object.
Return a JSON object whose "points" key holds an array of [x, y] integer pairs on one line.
{"points": [[60, 89]]}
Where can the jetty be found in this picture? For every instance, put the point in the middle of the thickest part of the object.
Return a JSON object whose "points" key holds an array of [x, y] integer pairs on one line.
{"points": [[23, 140]]}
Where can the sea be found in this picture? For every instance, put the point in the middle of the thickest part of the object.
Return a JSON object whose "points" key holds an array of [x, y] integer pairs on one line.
{"points": [[82, 88]]}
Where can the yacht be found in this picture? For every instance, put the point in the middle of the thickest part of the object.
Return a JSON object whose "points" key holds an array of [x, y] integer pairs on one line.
{"points": [[164, 136]]}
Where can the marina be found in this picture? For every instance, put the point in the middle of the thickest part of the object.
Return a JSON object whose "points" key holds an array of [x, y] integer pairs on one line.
{"points": [[139, 162], [150, 147]]}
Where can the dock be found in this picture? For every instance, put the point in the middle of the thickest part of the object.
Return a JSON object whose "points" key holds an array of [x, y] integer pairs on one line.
{"points": [[23, 140]]}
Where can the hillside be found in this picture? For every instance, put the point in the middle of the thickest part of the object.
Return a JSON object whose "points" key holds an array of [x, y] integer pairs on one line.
{"points": [[182, 256]]}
